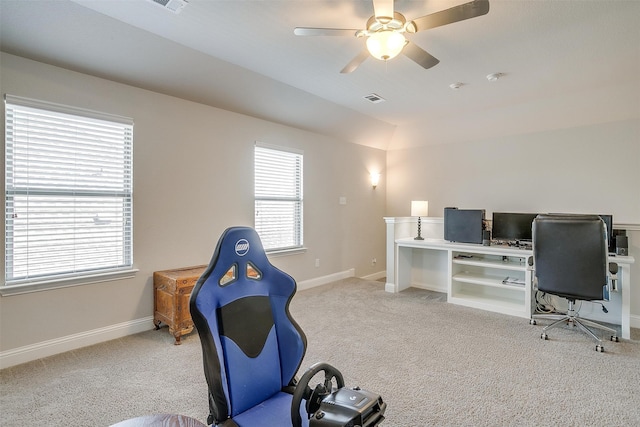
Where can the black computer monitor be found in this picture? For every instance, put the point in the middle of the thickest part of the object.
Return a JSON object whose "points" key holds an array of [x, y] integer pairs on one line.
{"points": [[608, 222], [511, 226], [463, 225]]}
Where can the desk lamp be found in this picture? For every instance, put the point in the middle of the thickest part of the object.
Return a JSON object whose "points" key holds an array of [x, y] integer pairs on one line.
{"points": [[419, 208]]}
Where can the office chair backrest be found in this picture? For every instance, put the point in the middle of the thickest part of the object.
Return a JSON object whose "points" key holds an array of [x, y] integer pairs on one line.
{"points": [[245, 361], [570, 255]]}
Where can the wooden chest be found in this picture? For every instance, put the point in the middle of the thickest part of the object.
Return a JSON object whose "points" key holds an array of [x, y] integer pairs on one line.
{"points": [[171, 292]]}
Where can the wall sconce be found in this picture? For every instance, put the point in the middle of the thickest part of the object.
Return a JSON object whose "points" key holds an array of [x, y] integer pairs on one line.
{"points": [[375, 179], [419, 208]]}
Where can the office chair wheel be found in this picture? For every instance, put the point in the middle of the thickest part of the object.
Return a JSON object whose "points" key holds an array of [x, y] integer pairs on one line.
{"points": [[544, 336], [615, 338], [599, 348], [532, 322], [313, 397]]}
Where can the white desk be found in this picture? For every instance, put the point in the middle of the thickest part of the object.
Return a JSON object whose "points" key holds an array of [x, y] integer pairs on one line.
{"points": [[473, 275]]}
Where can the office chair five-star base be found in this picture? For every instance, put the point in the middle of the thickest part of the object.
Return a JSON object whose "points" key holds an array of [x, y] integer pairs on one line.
{"points": [[571, 317]]}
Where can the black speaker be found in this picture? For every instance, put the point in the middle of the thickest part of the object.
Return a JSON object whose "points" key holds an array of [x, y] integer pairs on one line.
{"points": [[612, 239], [622, 245]]}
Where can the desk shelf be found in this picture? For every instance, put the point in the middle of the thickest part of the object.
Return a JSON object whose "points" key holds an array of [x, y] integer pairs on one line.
{"points": [[492, 281], [509, 263], [478, 280], [506, 303]]}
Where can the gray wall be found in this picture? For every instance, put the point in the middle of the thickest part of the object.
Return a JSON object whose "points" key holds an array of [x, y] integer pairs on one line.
{"points": [[193, 177], [592, 169]]}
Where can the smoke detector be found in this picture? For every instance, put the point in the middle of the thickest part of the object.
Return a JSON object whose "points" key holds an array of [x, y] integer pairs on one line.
{"points": [[174, 6]]}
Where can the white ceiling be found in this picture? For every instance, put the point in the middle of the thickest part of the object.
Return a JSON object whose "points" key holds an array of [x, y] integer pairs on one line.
{"points": [[565, 63]]}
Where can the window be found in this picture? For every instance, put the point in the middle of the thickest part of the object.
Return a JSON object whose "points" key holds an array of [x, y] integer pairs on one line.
{"points": [[68, 192], [278, 197]]}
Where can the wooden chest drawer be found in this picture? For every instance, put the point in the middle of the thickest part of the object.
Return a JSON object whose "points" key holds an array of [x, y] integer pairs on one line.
{"points": [[171, 293]]}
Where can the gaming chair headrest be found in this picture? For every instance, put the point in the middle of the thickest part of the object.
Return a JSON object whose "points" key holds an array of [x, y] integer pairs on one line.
{"points": [[239, 245], [239, 262]]}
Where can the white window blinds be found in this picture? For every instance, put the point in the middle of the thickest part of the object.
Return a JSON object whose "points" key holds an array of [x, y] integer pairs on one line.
{"points": [[278, 197], [68, 192]]}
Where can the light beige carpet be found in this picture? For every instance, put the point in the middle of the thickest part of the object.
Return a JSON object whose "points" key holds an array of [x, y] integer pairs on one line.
{"points": [[433, 363]]}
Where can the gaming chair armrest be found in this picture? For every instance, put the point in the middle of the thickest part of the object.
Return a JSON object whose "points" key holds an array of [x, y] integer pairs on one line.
{"points": [[289, 389]]}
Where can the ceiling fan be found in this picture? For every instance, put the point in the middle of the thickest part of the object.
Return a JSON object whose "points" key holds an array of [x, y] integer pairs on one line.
{"points": [[386, 28]]}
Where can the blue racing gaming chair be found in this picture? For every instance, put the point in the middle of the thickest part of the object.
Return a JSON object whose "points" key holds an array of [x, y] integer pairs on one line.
{"points": [[252, 348]]}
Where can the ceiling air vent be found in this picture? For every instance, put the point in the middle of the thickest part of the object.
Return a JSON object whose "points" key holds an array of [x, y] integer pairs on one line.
{"points": [[174, 6], [375, 98]]}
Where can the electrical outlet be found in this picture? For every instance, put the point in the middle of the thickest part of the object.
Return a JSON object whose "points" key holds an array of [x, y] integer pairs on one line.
{"points": [[373, 261], [317, 262]]}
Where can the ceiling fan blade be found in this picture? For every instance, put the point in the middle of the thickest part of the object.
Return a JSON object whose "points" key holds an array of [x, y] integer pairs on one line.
{"points": [[419, 55], [383, 10], [451, 15], [355, 62], [306, 31]]}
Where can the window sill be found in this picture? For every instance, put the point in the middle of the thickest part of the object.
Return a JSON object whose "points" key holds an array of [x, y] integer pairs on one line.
{"points": [[286, 252], [26, 288]]}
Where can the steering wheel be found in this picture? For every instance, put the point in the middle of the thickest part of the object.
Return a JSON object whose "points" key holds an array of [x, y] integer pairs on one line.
{"points": [[313, 397]]}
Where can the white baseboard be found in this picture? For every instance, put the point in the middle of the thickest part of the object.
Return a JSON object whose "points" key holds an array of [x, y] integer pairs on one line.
{"points": [[48, 348], [634, 321], [429, 287], [390, 287], [42, 349], [376, 276], [318, 281]]}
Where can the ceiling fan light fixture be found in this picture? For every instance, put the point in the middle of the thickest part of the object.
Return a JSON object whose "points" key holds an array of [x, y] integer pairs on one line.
{"points": [[385, 44], [385, 31]]}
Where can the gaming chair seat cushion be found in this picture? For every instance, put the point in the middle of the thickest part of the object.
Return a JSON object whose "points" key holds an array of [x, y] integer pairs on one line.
{"points": [[274, 412]]}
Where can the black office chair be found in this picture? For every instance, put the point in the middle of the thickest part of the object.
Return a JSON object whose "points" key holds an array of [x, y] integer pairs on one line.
{"points": [[252, 348], [570, 261]]}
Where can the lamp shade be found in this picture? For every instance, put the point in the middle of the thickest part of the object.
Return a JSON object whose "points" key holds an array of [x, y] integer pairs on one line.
{"points": [[419, 208], [385, 44]]}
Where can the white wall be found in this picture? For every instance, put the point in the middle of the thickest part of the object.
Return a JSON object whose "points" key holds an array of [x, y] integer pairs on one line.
{"points": [[193, 177], [593, 169]]}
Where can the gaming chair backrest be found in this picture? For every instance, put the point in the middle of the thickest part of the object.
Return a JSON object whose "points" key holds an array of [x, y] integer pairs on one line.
{"points": [[251, 346], [570, 255]]}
